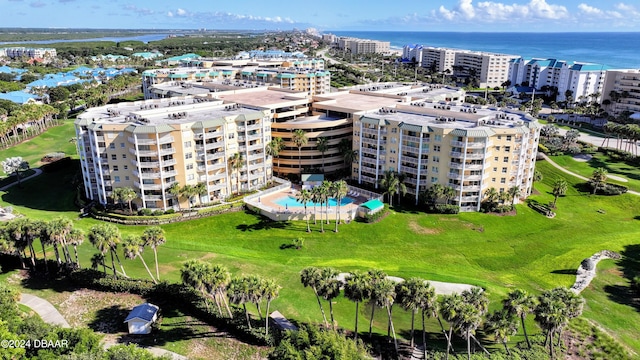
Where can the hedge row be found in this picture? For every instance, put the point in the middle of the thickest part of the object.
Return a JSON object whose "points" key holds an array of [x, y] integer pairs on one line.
{"points": [[167, 217]]}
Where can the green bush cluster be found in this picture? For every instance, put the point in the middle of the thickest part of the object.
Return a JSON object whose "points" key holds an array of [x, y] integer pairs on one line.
{"points": [[371, 218], [446, 209], [610, 189]]}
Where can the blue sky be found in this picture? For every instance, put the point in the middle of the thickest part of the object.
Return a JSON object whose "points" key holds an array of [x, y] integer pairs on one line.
{"points": [[325, 15]]}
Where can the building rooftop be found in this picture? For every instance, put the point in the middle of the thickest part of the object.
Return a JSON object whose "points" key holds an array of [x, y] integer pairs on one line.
{"points": [[144, 311], [158, 112], [451, 116], [355, 101], [268, 98]]}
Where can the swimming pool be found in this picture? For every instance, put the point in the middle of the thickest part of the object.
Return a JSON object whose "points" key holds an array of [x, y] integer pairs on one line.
{"points": [[290, 201]]}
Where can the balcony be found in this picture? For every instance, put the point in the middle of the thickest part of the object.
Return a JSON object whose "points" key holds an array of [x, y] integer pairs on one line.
{"points": [[143, 152], [256, 147], [142, 141], [217, 176], [214, 134], [409, 170], [254, 127], [254, 157], [146, 164], [147, 174], [169, 162], [153, 197], [169, 173], [455, 165], [166, 139], [454, 176], [167, 151]]}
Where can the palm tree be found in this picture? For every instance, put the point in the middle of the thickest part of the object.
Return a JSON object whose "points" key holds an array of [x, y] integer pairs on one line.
{"points": [[76, 238], [271, 291], [449, 308], [560, 187], [406, 295], [339, 190], [127, 195], [175, 191], [326, 194], [329, 288], [273, 149], [220, 278], [188, 191], [376, 295], [300, 139], [391, 184], [514, 192], [448, 192], [598, 178], [239, 294], [96, 260], [99, 241], [425, 298], [502, 325], [14, 165], [200, 189], [311, 277], [357, 289], [385, 295], [519, 303], [236, 162], [304, 196], [193, 274], [132, 247], [153, 236], [322, 144], [106, 237], [316, 198]]}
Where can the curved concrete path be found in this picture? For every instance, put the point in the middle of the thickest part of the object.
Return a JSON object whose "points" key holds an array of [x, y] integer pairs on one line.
{"points": [[42, 307], [37, 172], [51, 315], [544, 156]]}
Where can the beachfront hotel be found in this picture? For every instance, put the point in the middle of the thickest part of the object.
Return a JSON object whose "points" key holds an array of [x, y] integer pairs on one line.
{"points": [[153, 144], [582, 79], [361, 46], [31, 53]]}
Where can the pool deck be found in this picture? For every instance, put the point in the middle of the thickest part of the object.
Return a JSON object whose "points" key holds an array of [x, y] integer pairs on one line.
{"points": [[267, 205]]}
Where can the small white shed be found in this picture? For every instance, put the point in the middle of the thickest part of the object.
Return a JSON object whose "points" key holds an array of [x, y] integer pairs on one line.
{"points": [[141, 318]]}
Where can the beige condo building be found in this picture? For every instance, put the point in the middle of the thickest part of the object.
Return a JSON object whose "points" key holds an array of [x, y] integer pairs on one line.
{"points": [[153, 144]]}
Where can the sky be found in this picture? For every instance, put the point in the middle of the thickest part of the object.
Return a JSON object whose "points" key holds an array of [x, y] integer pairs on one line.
{"points": [[327, 15]]}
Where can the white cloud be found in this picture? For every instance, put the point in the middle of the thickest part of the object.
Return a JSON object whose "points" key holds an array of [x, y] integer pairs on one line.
{"points": [[181, 12], [218, 17], [489, 11], [587, 9]]}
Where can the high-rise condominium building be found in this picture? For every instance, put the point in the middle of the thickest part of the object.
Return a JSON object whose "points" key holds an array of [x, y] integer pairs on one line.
{"points": [[152, 145], [580, 80], [621, 92]]}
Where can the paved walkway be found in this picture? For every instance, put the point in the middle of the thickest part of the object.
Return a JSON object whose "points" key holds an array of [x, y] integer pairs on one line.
{"points": [[42, 307], [37, 172], [51, 315], [544, 156]]}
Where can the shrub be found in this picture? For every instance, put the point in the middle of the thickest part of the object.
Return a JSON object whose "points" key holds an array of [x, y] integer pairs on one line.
{"points": [[158, 212], [446, 209], [145, 212], [298, 243], [543, 149], [609, 189], [371, 218], [170, 211]]}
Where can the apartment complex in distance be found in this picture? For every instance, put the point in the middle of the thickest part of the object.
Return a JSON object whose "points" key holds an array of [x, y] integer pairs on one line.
{"points": [[622, 90], [490, 69], [31, 53], [362, 46], [302, 75], [153, 144], [581, 79]]}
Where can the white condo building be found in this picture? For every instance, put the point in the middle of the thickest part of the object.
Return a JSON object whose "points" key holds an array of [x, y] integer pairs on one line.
{"points": [[582, 79], [413, 52], [622, 90]]}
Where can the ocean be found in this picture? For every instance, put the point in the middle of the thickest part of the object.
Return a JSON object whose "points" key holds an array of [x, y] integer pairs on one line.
{"points": [[614, 49]]}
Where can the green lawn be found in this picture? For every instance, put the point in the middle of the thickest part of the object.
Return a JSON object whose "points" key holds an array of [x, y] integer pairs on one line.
{"points": [[499, 253], [613, 167]]}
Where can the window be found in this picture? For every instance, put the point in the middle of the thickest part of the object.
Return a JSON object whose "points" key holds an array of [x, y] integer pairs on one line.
{"points": [[231, 136], [436, 148], [507, 148], [187, 144], [115, 167], [191, 177], [493, 179], [503, 181], [116, 178], [126, 167], [114, 157], [505, 159], [495, 169], [434, 180], [121, 145], [112, 146], [497, 148], [394, 130], [438, 138], [189, 166], [499, 137], [509, 138], [126, 178], [436, 159], [188, 156], [504, 170], [124, 156], [495, 158], [434, 169]]}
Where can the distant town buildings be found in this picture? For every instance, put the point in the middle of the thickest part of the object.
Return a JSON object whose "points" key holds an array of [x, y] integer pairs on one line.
{"points": [[31, 53], [412, 52], [358, 46]]}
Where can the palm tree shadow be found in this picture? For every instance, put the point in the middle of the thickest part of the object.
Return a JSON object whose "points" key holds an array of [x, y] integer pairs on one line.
{"points": [[110, 320], [263, 223], [629, 264], [565, 272]]}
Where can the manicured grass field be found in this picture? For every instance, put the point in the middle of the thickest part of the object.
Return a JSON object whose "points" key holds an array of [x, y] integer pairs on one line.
{"points": [[527, 251], [586, 169]]}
